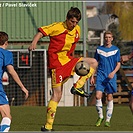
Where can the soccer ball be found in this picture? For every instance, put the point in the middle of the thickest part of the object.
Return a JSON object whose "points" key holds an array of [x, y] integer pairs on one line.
{"points": [[82, 68]]}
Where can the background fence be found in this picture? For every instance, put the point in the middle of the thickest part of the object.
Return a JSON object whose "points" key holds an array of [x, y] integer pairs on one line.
{"points": [[32, 70]]}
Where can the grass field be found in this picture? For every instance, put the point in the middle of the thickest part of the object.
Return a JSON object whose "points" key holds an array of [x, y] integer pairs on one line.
{"points": [[70, 119]]}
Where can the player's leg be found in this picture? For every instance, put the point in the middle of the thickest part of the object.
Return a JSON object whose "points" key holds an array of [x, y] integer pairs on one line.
{"points": [[92, 62], [6, 118], [111, 88], [131, 100], [77, 88], [57, 88], [109, 109], [99, 107], [51, 108]]}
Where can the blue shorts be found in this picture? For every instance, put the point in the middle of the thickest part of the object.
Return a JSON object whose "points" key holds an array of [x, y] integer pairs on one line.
{"points": [[108, 86], [3, 98]]}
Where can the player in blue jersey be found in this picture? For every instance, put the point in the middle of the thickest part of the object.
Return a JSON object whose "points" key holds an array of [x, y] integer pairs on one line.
{"points": [[6, 64], [108, 57]]}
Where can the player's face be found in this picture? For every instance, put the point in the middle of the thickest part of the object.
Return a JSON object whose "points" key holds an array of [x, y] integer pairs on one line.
{"points": [[71, 23], [108, 39]]}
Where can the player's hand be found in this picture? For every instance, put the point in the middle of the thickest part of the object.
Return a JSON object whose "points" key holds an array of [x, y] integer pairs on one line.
{"points": [[92, 80], [26, 95], [26, 92], [111, 75], [35, 40], [32, 47]]}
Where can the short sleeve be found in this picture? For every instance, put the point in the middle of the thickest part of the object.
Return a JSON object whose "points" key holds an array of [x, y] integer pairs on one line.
{"points": [[48, 30], [8, 60], [118, 56], [96, 55]]}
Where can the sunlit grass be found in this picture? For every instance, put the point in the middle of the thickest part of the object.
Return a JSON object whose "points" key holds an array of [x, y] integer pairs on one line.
{"points": [[70, 119]]}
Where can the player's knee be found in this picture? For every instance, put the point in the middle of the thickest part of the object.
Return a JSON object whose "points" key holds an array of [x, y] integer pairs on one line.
{"points": [[98, 97], [109, 98], [94, 63], [6, 114]]}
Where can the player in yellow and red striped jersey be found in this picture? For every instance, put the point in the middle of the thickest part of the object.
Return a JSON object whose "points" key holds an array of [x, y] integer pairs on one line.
{"points": [[63, 38]]}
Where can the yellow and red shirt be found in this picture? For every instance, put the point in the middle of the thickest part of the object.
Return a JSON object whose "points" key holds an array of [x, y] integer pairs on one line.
{"points": [[62, 43]]}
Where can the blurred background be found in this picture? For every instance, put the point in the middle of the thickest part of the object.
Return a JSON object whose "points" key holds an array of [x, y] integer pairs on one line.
{"points": [[21, 21]]}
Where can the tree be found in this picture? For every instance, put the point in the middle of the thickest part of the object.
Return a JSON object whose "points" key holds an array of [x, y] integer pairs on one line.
{"points": [[124, 10], [118, 40]]}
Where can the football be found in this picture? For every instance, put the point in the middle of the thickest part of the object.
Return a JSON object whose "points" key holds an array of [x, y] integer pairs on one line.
{"points": [[82, 68]]}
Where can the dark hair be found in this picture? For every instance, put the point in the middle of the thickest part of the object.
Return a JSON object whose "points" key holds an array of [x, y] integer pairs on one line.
{"points": [[3, 37], [74, 12]]}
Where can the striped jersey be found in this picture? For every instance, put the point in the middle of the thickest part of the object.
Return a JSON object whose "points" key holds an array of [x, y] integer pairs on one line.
{"points": [[107, 59], [62, 43]]}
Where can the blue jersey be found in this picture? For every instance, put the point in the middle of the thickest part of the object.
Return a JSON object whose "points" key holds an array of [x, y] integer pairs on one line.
{"points": [[6, 58], [107, 60]]}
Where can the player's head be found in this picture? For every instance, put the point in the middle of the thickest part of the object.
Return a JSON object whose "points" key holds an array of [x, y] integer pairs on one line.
{"points": [[3, 38], [74, 12], [73, 17], [108, 33], [108, 37]]}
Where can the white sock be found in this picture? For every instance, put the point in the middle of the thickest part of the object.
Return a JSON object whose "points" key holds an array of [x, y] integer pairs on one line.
{"points": [[99, 108], [109, 110], [5, 124]]}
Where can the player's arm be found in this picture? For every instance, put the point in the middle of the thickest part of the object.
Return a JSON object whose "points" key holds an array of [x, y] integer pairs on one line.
{"points": [[130, 56], [111, 75], [117, 67], [125, 58], [16, 78], [35, 40], [92, 81]]}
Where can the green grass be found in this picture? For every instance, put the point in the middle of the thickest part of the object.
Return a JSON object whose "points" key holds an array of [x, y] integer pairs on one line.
{"points": [[70, 119]]}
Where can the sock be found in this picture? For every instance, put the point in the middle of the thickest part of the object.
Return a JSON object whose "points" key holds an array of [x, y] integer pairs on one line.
{"points": [[81, 81], [51, 110], [99, 108], [109, 110], [5, 124]]}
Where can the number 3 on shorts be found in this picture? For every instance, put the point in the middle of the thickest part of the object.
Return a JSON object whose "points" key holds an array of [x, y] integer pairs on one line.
{"points": [[60, 77]]}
